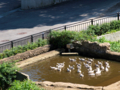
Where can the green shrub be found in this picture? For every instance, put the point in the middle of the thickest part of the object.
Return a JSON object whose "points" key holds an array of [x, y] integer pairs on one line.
{"points": [[115, 25], [25, 85], [59, 39], [95, 29], [104, 28], [84, 35], [7, 74], [20, 49]]}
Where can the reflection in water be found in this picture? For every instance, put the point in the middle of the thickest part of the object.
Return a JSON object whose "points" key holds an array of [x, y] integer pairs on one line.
{"points": [[74, 69]]}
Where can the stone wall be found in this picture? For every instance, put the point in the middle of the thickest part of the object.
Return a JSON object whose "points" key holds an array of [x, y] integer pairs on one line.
{"points": [[95, 49], [29, 4], [27, 54]]}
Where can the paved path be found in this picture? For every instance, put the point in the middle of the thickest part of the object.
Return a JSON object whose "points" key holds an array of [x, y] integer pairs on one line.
{"points": [[27, 22]]}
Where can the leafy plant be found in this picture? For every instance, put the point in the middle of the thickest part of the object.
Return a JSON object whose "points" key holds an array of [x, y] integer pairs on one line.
{"points": [[7, 74], [95, 29], [104, 28], [59, 39], [25, 85], [115, 25]]}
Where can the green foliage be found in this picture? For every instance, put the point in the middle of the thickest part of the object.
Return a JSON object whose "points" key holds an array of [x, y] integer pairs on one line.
{"points": [[84, 35], [7, 74], [112, 31], [104, 28], [20, 49], [95, 29], [115, 25], [59, 39], [25, 85], [115, 46]]}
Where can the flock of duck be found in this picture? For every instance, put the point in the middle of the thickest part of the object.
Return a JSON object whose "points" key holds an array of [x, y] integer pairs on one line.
{"points": [[88, 63]]}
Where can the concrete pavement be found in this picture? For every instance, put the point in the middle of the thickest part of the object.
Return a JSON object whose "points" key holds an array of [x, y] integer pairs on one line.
{"points": [[27, 22]]}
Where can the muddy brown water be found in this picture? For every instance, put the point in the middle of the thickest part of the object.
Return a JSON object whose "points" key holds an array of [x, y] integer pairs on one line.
{"points": [[41, 71]]}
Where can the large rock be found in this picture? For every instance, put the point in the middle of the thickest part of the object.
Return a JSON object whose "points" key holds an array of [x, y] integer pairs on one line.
{"points": [[96, 49]]}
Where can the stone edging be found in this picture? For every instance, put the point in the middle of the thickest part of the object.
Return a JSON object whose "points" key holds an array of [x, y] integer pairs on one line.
{"points": [[37, 58], [69, 85]]}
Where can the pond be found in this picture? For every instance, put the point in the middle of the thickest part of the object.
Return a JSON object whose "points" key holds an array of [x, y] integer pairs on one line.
{"points": [[41, 71]]}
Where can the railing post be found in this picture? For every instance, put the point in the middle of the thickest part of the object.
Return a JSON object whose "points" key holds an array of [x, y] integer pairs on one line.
{"points": [[11, 44], [91, 21], [65, 28], [31, 38], [42, 35], [118, 15]]}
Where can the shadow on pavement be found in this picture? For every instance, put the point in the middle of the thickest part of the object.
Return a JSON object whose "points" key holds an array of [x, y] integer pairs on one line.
{"points": [[67, 12], [7, 5]]}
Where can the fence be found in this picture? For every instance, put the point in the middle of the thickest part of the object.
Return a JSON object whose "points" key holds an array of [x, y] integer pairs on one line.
{"points": [[82, 25]]}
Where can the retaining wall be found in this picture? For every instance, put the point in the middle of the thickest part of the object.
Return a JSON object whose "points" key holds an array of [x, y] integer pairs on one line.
{"points": [[29, 4]]}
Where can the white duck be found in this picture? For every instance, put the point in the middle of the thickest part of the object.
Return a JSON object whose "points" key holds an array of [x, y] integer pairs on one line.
{"points": [[98, 71], [82, 59], [91, 60], [78, 64], [81, 75], [68, 70], [91, 74], [72, 60], [79, 71], [71, 67], [102, 67], [59, 69], [96, 65], [54, 68], [79, 67], [99, 63], [106, 69]]}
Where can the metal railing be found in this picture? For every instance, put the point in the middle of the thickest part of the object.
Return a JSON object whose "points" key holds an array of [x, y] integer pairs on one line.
{"points": [[78, 26]]}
